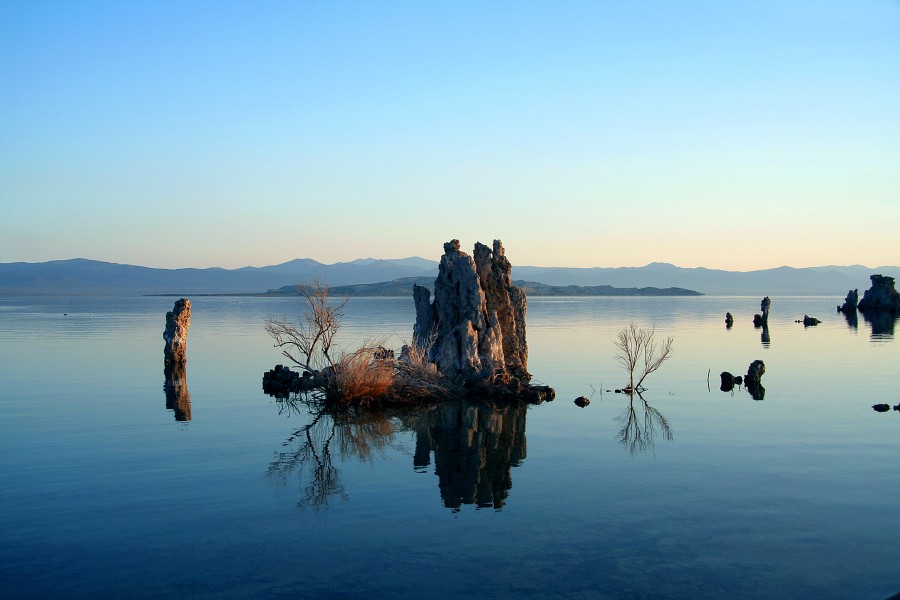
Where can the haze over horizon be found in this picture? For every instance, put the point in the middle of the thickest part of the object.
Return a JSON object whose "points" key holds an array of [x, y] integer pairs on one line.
{"points": [[702, 134]]}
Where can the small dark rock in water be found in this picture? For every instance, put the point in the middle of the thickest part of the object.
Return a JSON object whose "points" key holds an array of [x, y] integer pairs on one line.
{"points": [[582, 401], [755, 372], [897, 407], [738, 380], [729, 320], [881, 407], [727, 381], [753, 379], [810, 321]]}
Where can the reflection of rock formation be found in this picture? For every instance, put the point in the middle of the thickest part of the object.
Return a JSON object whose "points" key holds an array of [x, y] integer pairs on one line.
{"points": [[178, 398], [764, 337], [852, 318], [474, 444], [177, 322], [638, 432], [881, 321], [881, 296]]}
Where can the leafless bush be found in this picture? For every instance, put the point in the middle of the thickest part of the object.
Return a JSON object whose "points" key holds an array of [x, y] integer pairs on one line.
{"points": [[639, 348], [361, 377], [366, 376], [309, 343]]}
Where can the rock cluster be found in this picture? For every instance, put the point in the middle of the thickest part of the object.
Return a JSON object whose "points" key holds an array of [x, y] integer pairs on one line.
{"points": [[475, 328], [177, 322], [282, 381], [881, 296]]}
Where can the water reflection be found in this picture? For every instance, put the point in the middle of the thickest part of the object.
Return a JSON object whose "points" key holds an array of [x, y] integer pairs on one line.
{"points": [[473, 445], [764, 336], [852, 319], [178, 398], [640, 425], [310, 452], [882, 323]]}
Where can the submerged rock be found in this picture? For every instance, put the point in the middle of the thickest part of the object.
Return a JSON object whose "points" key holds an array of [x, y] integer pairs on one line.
{"points": [[582, 401], [809, 321], [881, 296], [177, 322], [881, 407]]}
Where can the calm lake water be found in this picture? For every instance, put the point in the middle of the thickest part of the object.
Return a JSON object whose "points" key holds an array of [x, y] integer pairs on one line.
{"points": [[110, 489]]}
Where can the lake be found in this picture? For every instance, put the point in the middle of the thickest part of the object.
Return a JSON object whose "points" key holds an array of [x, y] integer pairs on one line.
{"points": [[111, 488]]}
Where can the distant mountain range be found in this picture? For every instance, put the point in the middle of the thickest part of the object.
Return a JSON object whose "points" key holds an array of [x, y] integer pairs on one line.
{"points": [[404, 286], [82, 276]]}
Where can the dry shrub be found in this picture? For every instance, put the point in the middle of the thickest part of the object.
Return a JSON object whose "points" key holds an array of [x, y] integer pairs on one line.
{"points": [[418, 379], [361, 377]]}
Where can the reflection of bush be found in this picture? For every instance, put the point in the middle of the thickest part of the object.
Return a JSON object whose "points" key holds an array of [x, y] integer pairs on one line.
{"points": [[475, 444], [638, 432]]}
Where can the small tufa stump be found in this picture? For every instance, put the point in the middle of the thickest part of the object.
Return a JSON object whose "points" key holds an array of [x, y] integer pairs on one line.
{"points": [[762, 320], [177, 322]]}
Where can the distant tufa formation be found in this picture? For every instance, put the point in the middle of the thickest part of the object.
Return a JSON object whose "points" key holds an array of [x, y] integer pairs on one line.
{"points": [[177, 322], [881, 296], [475, 328]]}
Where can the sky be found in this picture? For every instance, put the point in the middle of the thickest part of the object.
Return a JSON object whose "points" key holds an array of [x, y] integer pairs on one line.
{"points": [[731, 135]]}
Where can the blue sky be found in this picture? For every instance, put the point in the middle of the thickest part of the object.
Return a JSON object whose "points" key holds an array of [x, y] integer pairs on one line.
{"points": [[730, 135]]}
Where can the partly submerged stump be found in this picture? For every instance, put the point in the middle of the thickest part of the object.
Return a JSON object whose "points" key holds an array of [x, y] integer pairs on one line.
{"points": [[475, 328], [177, 322], [762, 320]]}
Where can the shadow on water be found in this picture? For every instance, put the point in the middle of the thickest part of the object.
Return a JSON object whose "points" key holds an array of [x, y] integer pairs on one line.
{"points": [[472, 443], [640, 425], [178, 398]]}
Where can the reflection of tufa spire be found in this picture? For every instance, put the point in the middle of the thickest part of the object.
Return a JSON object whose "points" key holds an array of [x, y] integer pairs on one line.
{"points": [[475, 444], [178, 398]]}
